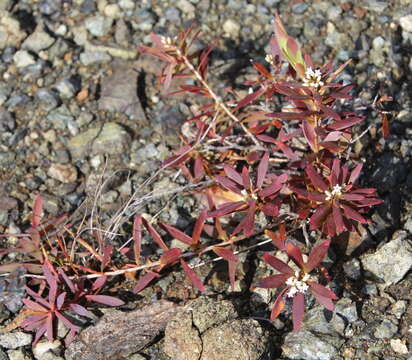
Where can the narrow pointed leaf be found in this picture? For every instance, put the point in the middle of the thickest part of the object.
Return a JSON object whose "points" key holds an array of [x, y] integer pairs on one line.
{"points": [[144, 281], [272, 281], [262, 170], [315, 178], [177, 234], [298, 311], [277, 264], [316, 256], [192, 276], [105, 299]]}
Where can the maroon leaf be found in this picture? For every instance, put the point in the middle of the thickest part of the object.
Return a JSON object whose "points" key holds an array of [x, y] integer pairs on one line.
{"points": [[104, 299], [81, 310], [295, 254], [337, 217], [262, 170], [232, 260], [233, 174], [170, 256], [144, 281], [155, 235], [319, 216], [177, 234], [344, 124], [353, 214], [277, 264], [279, 305], [246, 178], [226, 208], [99, 283], [192, 276], [316, 256], [355, 173], [310, 135], [199, 226], [272, 281], [271, 209], [315, 178], [298, 311], [37, 211], [323, 295], [227, 183]]}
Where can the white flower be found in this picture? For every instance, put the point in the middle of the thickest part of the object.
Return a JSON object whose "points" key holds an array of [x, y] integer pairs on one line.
{"points": [[313, 78], [335, 193], [269, 59], [297, 285]]}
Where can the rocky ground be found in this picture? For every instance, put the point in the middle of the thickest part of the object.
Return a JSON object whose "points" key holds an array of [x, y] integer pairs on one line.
{"points": [[77, 104]]}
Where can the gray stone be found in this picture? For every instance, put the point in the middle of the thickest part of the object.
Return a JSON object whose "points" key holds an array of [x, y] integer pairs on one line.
{"points": [[231, 27], [322, 321], [399, 308], [60, 117], [375, 5], [118, 92], [127, 4], [389, 172], [186, 7], [14, 340], [109, 139], [300, 8], [5, 4], [39, 40], [3, 355], [305, 345], [99, 25], [122, 33], [172, 14], [392, 261], [386, 329], [67, 87], [88, 58], [5, 91], [240, 339], [49, 7], [49, 99], [23, 58], [352, 269], [406, 23], [347, 309]]}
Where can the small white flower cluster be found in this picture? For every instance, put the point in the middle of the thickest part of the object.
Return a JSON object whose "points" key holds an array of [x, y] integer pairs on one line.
{"points": [[335, 193], [313, 78], [168, 41], [269, 59], [297, 285]]}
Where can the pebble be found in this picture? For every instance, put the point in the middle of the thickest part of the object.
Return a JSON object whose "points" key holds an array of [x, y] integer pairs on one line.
{"points": [[39, 40], [406, 23], [18, 355], [98, 25], [88, 58], [42, 350], [23, 58], [49, 7], [231, 27], [300, 8], [186, 6], [399, 346], [127, 4], [10, 31], [14, 340], [49, 99], [68, 87], [386, 329], [66, 173], [112, 10], [172, 14]]}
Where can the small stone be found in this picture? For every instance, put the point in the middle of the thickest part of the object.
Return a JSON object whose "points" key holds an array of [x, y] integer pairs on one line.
{"points": [[23, 58], [10, 32], [385, 330], [186, 6], [68, 87], [127, 4], [110, 139], [88, 58], [42, 349], [99, 25], [172, 14], [49, 7], [352, 269], [375, 5], [112, 10], [398, 308], [18, 355], [300, 8], [39, 40], [305, 345], [49, 99], [399, 346], [392, 261], [14, 340], [406, 23], [66, 173], [231, 27]]}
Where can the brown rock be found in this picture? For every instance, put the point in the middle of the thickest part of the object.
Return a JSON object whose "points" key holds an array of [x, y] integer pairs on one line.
{"points": [[65, 173], [119, 334]]}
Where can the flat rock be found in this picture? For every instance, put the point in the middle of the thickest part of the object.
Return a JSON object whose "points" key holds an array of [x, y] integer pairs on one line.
{"points": [[14, 340], [66, 173], [392, 261], [119, 334], [118, 92], [39, 40], [305, 345], [10, 31], [111, 138]]}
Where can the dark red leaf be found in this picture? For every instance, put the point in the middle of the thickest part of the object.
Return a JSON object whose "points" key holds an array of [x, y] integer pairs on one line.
{"points": [[315, 178], [137, 237], [104, 299], [226, 209], [233, 174], [316, 256], [310, 134], [199, 226], [227, 183], [295, 254], [170, 256], [262, 170], [319, 216], [354, 175], [353, 214], [155, 235], [192, 276], [277, 264], [272, 281], [99, 283], [81, 310], [337, 217], [298, 310], [144, 281], [278, 306], [37, 211], [177, 234]]}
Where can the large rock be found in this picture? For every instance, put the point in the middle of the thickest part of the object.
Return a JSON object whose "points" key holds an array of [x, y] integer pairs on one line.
{"points": [[39, 40], [209, 330], [392, 261], [119, 92], [112, 138], [119, 334], [305, 345]]}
